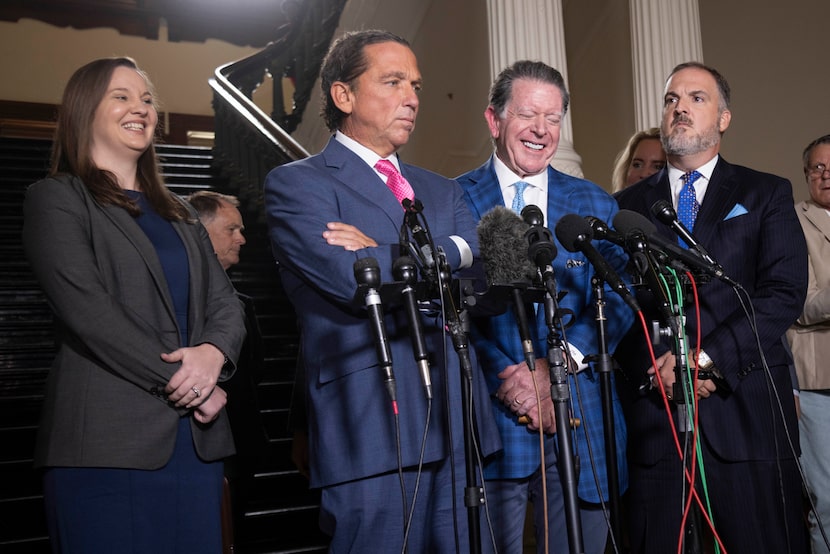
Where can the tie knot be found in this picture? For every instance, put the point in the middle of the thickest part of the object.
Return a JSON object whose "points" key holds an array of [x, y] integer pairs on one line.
{"points": [[690, 177], [396, 182], [386, 167]]}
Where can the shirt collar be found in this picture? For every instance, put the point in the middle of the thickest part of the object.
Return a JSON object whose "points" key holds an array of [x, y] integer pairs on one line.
{"points": [[365, 154], [706, 170], [507, 177]]}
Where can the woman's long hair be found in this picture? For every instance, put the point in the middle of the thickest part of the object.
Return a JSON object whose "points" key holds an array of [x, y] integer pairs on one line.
{"points": [[72, 147]]}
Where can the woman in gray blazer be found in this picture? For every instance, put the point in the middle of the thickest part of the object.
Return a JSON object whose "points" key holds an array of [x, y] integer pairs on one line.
{"points": [[133, 428]]}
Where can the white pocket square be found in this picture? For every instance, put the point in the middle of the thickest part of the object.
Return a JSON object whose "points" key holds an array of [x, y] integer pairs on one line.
{"points": [[737, 209]]}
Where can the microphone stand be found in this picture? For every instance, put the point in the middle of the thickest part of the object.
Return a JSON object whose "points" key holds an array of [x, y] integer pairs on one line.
{"points": [[456, 323], [542, 252], [604, 366], [671, 327], [560, 396]]}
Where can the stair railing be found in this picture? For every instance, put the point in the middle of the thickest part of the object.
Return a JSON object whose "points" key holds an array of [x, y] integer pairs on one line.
{"points": [[248, 142]]}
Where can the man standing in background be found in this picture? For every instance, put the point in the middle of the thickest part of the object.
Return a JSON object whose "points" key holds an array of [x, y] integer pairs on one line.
{"points": [[219, 214], [810, 340]]}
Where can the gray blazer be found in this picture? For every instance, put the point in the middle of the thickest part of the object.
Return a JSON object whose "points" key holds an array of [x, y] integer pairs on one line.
{"points": [[105, 404]]}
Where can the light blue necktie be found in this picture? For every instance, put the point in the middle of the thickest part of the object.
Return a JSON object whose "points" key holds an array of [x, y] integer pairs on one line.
{"points": [[519, 199], [687, 204]]}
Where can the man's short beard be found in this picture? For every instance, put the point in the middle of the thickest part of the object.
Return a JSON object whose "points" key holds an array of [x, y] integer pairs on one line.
{"points": [[682, 145]]}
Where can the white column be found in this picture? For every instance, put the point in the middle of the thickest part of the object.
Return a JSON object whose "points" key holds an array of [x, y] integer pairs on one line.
{"points": [[663, 34], [533, 30]]}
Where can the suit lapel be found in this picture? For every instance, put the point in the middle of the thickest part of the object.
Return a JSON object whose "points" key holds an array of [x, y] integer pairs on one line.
{"points": [[719, 199], [125, 223], [486, 191], [353, 173], [659, 189], [818, 217]]}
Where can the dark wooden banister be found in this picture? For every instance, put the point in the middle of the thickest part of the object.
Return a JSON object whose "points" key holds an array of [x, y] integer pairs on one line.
{"points": [[248, 142]]}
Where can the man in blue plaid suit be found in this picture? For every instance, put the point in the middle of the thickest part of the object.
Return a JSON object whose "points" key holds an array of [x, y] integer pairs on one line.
{"points": [[527, 103]]}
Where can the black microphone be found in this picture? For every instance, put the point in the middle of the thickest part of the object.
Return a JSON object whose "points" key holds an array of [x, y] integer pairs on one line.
{"points": [[575, 234], [541, 249], [503, 246], [627, 222], [403, 269], [665, 214], [367, 273], [413, 208], [603, 232]]}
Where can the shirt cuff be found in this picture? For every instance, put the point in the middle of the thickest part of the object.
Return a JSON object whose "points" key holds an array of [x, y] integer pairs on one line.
{"points": [[578, 357], [464, 250]]}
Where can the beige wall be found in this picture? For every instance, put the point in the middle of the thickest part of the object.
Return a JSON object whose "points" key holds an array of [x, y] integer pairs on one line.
{"points": [[771, 52], [36, 60], [775, 58]]}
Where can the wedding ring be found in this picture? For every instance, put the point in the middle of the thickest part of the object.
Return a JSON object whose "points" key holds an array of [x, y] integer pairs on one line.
{"points": [[196, 391], [516, 402]]}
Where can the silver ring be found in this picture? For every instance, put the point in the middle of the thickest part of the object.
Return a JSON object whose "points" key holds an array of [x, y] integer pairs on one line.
{"points": [[516, 402], [196, 391]]}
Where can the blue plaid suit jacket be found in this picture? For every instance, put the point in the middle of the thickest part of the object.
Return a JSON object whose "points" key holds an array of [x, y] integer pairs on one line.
{"points": [[498, 345]]}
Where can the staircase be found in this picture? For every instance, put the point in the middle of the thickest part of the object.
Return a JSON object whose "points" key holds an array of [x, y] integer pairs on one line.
{"points": [[281, 516]]}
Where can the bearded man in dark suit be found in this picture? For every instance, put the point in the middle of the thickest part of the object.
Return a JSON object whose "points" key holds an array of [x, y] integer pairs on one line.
{"points": [[746, 221]]}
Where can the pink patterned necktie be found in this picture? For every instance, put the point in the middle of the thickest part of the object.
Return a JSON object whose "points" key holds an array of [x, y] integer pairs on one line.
{"points": [[396, 182]]}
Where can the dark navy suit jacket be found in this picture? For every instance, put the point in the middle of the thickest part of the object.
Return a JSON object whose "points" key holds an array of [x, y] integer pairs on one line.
{"points": [[748, 224], [351, 427]]}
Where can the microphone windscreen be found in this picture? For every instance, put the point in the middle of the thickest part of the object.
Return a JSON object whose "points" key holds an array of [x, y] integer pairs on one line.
{"points": [[627, 221], [571, 230], [501, 238]]}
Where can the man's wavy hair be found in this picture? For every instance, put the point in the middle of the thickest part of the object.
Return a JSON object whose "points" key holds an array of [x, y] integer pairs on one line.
{"points": [[345, 62]]}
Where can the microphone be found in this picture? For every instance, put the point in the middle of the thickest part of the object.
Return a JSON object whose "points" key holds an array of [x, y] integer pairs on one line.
{"points": [[367, 273], [575, 234], [501, 239], [413, 208], [403, 269], [541, 249], [628, 222], [532, 215], [665, 214], [503, 246], [603, 232]]}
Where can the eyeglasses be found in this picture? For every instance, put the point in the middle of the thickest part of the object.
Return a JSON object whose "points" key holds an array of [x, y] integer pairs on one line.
{"points": [[817, 170]]}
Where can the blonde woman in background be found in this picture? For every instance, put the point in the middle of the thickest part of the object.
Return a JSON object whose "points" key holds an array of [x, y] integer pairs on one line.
{"points": [[642, 156]]}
